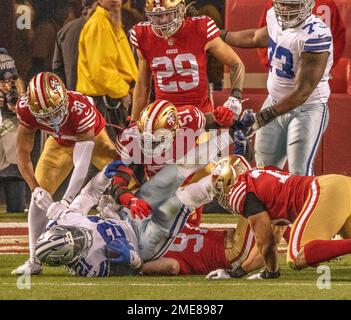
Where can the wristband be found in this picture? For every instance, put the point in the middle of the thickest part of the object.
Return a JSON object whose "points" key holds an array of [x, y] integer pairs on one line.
{"points": [[266, 116]]}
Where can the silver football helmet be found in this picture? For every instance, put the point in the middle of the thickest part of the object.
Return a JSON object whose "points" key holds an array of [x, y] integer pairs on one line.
{"points": [[291, 13], [63, 245]]}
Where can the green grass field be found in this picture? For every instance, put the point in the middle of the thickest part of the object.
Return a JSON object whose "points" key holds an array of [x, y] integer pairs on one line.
{"points": [[55, 283]]}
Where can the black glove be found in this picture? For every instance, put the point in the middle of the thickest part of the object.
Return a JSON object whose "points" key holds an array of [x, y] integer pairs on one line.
{"points": [[265, 274], [237, 273]]}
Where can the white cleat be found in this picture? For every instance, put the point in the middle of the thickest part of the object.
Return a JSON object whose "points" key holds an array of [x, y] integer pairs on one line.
{"points": [[30, 267]]}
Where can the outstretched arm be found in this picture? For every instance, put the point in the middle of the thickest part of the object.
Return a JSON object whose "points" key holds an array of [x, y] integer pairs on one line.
{"points": [[251, 38]]}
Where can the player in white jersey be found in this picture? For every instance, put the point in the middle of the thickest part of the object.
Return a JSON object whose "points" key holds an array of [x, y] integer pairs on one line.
{"points": [[114, 244], [117, 244], [295, 114]]}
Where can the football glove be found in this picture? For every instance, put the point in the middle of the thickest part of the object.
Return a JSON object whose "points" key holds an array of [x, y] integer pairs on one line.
{"points": [[233, 104], [42, 198], [56, 209], [218, 274], [237, 273], [264, 274], [224, 116], [112, 168], [250, 122], [243, 145], [121, 251], [118, 251], [139, 207]]}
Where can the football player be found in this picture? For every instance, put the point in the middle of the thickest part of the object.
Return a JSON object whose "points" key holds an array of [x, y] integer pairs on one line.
{"points": [[116, 243], [295, 114], [199, 251], [163, 135], [173, 50], [77, 137], [317, 207]]}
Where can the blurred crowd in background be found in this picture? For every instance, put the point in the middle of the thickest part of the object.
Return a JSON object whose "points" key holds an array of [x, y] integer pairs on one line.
{"points": [[43, 35]]}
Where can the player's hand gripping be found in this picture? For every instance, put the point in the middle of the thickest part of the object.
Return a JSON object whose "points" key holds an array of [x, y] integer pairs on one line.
{"points": [[224, 116], [42, 198]]}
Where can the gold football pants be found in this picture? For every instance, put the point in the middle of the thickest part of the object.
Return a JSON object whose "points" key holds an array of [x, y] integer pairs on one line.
{"points": [[326, 212], [56, 162]]}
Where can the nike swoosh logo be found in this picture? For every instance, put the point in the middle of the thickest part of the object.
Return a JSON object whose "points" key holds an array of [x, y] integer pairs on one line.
{"points": [[321, 35]]}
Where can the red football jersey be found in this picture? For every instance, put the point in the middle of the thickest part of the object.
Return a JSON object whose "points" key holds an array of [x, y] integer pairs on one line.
{"points": [[128, 148], [82, 116], [179, 64], [283, 193], [199, 251]]}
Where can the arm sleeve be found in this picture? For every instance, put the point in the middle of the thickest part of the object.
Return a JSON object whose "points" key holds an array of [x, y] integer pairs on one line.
{"points": [[252, 205], [102, 54], [81, 159]]}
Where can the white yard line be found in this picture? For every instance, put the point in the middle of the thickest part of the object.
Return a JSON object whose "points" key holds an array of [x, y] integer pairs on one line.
{"points": [[4, 225], [187, 284]]}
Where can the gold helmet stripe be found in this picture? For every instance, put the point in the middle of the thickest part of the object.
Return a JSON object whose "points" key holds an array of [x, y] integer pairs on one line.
{"points": [[154, 115], [38, 90], [238, 192]]}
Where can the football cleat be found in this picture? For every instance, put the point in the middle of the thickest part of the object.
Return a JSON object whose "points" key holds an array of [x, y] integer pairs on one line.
{"points": [[30, 267]]}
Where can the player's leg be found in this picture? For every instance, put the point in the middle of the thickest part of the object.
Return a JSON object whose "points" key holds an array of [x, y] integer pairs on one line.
{"points": [[239, 244], [53, 167], [325, 212], [270, 142], [104, 151], [169, 215], [305, 133]]}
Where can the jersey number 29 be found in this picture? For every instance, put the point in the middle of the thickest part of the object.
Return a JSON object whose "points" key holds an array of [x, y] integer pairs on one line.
{"points": [[184, 65]]}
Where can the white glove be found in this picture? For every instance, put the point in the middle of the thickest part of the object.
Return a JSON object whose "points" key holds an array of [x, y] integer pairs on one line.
{"points": [[56, 209], [42, 198], [264, 274], [108, 207], [218, 274], [234, 104], [256, 276]]}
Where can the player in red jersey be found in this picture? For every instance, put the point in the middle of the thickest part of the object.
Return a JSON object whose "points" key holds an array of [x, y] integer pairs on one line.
{"points": [[163, 135], [318, 208], [201, 250], [77, 137], [173, 50]]}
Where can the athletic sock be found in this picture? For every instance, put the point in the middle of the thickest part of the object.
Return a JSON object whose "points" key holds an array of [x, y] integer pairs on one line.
{"points": [[318, 251], [36, 226]]}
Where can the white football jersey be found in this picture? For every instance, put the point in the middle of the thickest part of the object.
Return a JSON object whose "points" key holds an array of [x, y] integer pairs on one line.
{"points": [[95, 264], [284, 53]]}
